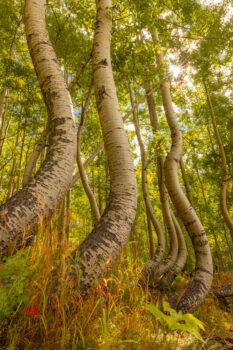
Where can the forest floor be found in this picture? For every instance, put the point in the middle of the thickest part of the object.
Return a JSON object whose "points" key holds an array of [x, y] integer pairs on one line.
{"points": [[116, 314]]}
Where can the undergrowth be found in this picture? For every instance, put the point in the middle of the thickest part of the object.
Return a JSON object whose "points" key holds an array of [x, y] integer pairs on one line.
{"points": [[117, 314]]}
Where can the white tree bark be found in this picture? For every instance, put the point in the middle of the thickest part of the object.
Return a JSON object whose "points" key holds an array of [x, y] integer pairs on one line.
{"points": [[103, 246], [151, 266], [43, 194], [166, 264], [193, 295]]}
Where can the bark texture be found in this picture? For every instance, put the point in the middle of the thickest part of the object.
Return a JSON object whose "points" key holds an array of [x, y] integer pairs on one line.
{"points": [[42, 194], [188, 299], [225, 291], [103, 245]]}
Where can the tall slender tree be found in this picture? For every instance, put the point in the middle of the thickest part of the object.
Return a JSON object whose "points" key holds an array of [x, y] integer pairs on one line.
{"points": [[43, 194], [103, 245], [188, 299]]}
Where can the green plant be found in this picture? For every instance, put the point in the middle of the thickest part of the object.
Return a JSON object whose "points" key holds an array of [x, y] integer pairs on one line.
{"points": [[177, 320], [14, 279]]}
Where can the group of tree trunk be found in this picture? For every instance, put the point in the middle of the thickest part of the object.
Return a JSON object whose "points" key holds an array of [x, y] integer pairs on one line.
{"points": [[42, 194]]}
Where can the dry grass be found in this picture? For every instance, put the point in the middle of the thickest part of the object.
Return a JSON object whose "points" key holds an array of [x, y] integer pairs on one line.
{"points": [[112, 317]]}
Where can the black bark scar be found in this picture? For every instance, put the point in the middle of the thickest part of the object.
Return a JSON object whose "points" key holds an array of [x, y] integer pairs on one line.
{"points": [[101, 93]]}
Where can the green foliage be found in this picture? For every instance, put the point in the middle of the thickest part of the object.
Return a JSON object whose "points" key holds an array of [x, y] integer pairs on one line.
{"points": [[15, 277], [177, 320]]}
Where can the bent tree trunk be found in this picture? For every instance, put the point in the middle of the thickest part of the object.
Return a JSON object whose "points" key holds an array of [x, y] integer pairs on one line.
{"points": [[188, 299], [170, 260], [167, 263], [152, 264], [103, 245], [43, 194], [180, 262], [225, 291], [223, 193]]}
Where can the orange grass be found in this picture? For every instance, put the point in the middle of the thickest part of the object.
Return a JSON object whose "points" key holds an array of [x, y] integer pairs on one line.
{"points": [[65, 321]]}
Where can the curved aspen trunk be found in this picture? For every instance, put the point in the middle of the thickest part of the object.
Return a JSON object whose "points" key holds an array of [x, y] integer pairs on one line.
{"points": [[152, 264], [150, 236], [193, 295], [224, 291], [103, 245], [167, 263], [223, 194], [170, 260], [84, 179], [43, 194], [186, 183], [180, 262]]}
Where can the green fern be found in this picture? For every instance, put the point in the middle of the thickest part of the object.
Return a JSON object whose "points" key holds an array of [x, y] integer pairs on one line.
{"points": [[177, 320]]}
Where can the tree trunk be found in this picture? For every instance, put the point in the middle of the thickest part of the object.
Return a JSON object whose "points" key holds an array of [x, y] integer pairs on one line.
{"points": [[223, 192], [180, 262], [13, 170], [68, 216], [84, 179], [153, 263], [2, 140], [21, 155], [225, 291], [150, 236], [33, 158], [186, 183], [44, 193], [193, 295], [211, 225], [2, 102], [228, 243], [170, 260], [103, 245], [167, 263], [79, 73], [61, 239]]}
